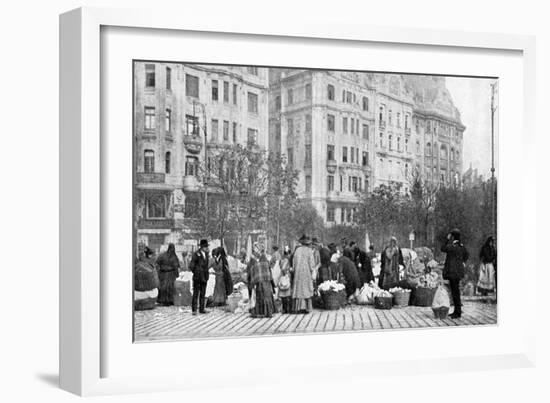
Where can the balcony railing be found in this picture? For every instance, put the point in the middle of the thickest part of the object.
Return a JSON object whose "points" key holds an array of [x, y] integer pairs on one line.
{"points": [[331, 166], [193, 144], [150, 177]]}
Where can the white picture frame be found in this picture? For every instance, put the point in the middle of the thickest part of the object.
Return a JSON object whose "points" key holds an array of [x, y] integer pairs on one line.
{"points": [[82, 339]]}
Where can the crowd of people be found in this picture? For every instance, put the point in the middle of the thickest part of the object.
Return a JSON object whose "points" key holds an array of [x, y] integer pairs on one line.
{"points": [[292, 277]]}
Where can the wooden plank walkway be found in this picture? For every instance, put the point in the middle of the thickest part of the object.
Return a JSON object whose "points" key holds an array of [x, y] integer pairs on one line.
{"points": [[173, 323]]}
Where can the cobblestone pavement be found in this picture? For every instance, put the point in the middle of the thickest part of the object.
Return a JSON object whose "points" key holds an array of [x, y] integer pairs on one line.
{"points": [[173, 323]]}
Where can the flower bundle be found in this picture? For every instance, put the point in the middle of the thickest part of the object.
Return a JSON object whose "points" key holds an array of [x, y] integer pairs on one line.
{"points": [[398, 289], [430, 280], [331, 285], [384, 293]]}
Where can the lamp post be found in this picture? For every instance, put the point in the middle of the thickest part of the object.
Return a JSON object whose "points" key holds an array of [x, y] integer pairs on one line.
{"points": [[205, 179], [493, 195]]}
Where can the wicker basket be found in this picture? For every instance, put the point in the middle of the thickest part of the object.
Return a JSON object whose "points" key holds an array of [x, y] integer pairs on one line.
{"points": [[383, 302], [144, 304], [441, 312], [423, 296], [332, 300], [401, 298]]}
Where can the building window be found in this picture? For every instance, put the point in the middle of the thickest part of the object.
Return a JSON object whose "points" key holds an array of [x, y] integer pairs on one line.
{"points": [[417, 147], [344, 154], [225, 91], [308, 156], [352, 152], [290, 96], [150, 123], [225, 130], [349, 183], [330, 183], [390, 142], [148, 161], [290, 128], [191, 86], [390, 117], [357, 127], [252, 102], [308, 91], [406, 121], [330, 123], [290, 156], [330, 214], [398, 119], [366, 184], [214, 130], [417, 127], [192, 123], [344, 96], [252, 137], [399, 144], [428, 149], [192, 206], [278, 103], [365, 104], [191, 166], [150, 75], [234, 94], [308, 123], [168, 120], [407, 145], [215, 90], [330, 152], [352, 124], [308, 184], [343, 214], [156, 206], [345, 125], [234, 132], [278, 131], [365, 158], [381, 115], [348, 97], [366, 132], [167, 162], [381, 140], [252, 70], [341, 183], [330, 92], [354, 187], [168, 78]]}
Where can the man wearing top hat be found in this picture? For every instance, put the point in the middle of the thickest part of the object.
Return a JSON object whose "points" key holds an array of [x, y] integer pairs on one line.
{"points": [[455, 262], [199, 268]]}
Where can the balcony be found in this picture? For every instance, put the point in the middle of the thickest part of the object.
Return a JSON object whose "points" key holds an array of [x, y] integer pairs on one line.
{"points": [[193, 144], [156, 223], [331, 166], [150, 177], [190, 183]]}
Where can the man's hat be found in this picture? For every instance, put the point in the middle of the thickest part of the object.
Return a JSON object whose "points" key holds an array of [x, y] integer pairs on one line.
{"points": [[455, 232], [304, 240], [147, 251], [203, 243]]}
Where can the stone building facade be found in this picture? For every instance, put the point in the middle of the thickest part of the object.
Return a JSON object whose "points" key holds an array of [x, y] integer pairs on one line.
{"points": [[347, 132], [182, 113], [323, 121]]}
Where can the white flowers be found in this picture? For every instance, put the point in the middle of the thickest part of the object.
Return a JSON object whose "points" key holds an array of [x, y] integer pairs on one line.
{"points": [[398, 289], [384, 293], [331, 285]]}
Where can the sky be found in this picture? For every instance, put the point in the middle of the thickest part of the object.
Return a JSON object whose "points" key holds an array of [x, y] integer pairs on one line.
{"points": [[472, 97]]}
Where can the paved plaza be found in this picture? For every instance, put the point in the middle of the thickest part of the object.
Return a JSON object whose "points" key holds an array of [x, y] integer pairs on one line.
{"points": [[176, 323]]}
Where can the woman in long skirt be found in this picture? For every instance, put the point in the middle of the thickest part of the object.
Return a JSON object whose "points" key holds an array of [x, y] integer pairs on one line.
{"points": [[224, 285], [168, 270], [263, 288], [303, 264], [391, 259], [487, 272]]}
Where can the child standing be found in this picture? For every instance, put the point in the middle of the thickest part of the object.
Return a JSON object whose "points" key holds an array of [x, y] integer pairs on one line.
{"points": [[284, 284]]}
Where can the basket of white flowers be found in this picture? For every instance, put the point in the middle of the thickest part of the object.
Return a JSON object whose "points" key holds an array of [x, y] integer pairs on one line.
{"points": [[333, 294], [401, 296]]}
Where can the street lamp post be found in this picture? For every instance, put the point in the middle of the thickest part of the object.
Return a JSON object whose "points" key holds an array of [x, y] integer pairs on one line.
{"points": [[205, 179]]}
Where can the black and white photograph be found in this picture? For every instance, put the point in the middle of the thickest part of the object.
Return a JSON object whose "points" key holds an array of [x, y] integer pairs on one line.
{"points": [[285, 201]]}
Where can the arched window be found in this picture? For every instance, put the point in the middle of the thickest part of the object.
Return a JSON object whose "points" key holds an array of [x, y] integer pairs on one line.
{"points": [[148, 161], [381, 139], [428, 149], [443, 153], [167, 162], [390, 145], [452, 154]]}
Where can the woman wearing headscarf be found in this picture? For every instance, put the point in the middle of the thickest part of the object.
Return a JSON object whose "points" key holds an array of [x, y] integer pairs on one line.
{"points": [[168, 269], [487, 267], [303, 264], [391, 259], [224, 284], [263, 287]]}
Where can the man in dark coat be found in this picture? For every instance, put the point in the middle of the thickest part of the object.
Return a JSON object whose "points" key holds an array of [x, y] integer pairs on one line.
{"points": [[199, 268], [455, 262], [363, 264]]}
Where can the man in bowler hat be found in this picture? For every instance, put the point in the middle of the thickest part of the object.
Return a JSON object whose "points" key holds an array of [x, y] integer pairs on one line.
{"points": [[199, 268], [455, 262]]}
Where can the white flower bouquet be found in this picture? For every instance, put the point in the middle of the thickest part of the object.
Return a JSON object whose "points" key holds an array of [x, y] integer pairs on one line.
{"points": [[331, 285]]}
